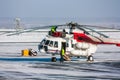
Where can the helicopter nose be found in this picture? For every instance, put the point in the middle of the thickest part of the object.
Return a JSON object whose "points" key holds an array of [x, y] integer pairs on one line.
{"points": [[40, 47]]}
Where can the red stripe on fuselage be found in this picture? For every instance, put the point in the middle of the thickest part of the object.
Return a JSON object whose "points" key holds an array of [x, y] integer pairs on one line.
{"points": [[81, 37]]}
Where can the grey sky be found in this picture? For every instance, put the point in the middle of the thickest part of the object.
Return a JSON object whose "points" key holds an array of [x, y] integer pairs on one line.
{"points": [[60, 8]]}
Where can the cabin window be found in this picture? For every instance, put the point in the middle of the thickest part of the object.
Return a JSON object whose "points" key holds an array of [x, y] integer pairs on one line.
{"points": [[47, 42], [51, 43], [56, 44]]}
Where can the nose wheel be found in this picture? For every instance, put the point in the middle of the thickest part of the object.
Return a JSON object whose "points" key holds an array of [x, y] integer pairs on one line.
{"points": [[90, 58], [53, 59]]}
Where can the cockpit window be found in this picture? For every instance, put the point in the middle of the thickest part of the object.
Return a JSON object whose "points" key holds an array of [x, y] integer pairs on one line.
{"points": [[51, 43], [47, 42], [43, 41], [56, 44]]}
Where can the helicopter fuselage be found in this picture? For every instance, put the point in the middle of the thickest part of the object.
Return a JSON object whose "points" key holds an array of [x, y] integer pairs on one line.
{"points": [[52, 45]]}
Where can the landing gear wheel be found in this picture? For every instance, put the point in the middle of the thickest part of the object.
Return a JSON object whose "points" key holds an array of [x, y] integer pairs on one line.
{"points": [[78, 56], [90, 58], [53, 59]]}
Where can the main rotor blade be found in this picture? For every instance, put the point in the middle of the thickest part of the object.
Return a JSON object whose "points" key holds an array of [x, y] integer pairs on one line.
{"points": [[83, 29], [33, 29], [26, 30], [104, 27], [96, 32]]}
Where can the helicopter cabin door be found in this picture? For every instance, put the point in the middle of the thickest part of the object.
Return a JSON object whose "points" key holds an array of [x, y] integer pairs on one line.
{"points": [[64, 57], [63, 45]]}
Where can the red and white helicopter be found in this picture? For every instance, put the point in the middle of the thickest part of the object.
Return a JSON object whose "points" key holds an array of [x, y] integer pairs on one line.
{"points": [[77, 40]]}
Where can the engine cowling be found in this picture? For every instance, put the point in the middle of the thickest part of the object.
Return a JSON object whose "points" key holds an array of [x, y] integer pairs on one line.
{"points": [[82, 45], [78, 53], [84, 49]]}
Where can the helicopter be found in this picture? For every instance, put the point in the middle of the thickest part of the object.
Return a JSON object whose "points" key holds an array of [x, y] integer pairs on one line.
{"points": [[76, 40]]}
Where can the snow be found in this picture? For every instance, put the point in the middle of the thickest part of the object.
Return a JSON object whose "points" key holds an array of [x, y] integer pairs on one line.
{"points": [[106, 64]]}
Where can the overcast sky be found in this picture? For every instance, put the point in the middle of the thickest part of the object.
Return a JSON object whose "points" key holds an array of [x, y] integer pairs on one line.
{"points": [[60, 8]]}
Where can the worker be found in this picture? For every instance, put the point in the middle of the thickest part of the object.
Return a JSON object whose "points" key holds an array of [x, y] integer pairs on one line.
{"points": [[53, 29], [62, 55], [64, 30], [63, 52]]}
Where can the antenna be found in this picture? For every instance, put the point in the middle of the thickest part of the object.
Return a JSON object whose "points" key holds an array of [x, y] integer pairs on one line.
{"points": [[18, 27]]}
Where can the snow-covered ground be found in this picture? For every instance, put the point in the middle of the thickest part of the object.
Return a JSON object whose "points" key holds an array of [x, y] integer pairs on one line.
{"points": [[106, 66], [14, 67]]}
